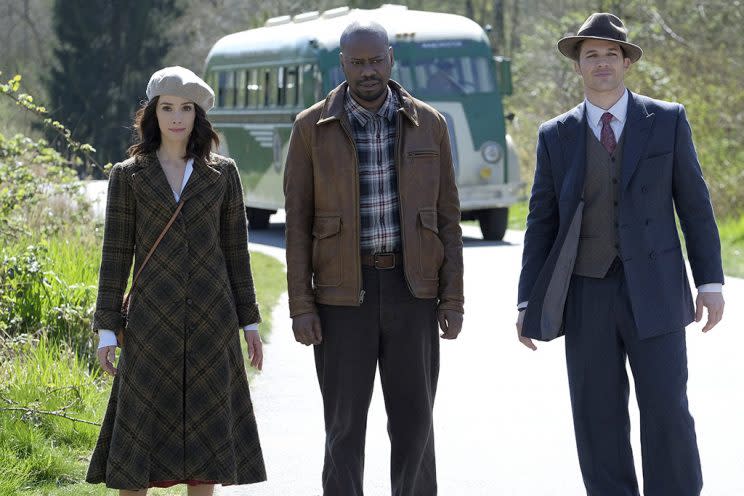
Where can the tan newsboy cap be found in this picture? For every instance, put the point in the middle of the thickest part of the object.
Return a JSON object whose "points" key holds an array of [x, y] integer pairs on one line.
{"points": [[179, 81]]}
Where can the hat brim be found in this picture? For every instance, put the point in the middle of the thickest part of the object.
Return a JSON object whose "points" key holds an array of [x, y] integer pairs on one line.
{"points": [[567, 46]]}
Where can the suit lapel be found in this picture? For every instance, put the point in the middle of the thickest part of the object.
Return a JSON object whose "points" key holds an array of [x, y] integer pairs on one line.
{"points": [[637, 132], [572, 131]]}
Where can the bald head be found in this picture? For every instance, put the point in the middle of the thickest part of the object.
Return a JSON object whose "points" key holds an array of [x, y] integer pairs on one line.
{"points": [[366, 29]]}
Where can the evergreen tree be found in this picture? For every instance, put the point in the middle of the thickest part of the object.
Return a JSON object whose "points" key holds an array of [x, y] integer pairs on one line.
{"points": [[107, 51]]}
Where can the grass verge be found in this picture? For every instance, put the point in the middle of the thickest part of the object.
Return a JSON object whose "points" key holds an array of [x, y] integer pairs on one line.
{"points": [[42, 454]]}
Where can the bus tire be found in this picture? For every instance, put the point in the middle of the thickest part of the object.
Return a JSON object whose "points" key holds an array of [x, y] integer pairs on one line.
{"points": [[493, 223], [258, 218]]}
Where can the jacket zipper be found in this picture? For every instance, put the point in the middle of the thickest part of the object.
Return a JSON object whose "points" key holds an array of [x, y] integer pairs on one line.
{"points": [[357, 210], [399, 166]]}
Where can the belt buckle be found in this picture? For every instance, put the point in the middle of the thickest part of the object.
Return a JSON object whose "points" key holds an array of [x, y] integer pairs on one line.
{"points": [[384, 261]]}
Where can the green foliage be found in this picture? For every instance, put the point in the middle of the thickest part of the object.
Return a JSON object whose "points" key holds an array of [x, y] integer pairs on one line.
{"points": [[49, 288], [692, 55], [732, 245]]}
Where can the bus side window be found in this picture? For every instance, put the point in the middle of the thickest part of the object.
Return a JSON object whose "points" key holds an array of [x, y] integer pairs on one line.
{"points": [[291, 86], [221, 88], [227, 89], [261, 88], [280, 86], [271, 87], [240, 100], [251, 97]]}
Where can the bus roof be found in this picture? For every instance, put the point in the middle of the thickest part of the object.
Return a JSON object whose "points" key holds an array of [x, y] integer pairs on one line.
{"points": [[300, 36]]}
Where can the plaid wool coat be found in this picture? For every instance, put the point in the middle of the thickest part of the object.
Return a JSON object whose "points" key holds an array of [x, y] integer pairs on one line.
{"points": [[180, 408]]}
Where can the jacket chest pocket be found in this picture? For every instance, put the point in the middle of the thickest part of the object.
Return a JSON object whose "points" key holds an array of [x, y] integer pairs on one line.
{"points": [[327, 251], [422, 157], [431, 249]]}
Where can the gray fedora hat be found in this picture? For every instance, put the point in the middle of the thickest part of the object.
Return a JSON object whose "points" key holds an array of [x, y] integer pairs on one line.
{"points": [[600, 26]]}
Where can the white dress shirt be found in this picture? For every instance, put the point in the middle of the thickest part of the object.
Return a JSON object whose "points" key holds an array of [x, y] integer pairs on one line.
{"points": [[619, 112], [107, 337]]}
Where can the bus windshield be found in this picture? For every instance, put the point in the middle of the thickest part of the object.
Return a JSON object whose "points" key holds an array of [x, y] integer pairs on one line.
{"points": [[434, 76]]}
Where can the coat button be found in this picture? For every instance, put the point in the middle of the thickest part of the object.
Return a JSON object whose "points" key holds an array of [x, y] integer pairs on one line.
{"points": [[644, 189], [648, 221], [652, 255], [189, 301]]}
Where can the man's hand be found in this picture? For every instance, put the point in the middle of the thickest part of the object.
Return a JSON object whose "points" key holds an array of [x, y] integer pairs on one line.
{"points": [[525, 341], [107, 357], [714, 303], [306, 329], [255, 348], [450, 321]]}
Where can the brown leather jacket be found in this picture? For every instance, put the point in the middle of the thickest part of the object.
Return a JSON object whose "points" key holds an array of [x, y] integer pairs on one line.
{"points": [[321, 187]]}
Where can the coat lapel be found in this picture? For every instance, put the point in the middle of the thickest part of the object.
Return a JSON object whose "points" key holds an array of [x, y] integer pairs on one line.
{"points": [[151, 177], [202, 177], [637, 132], [572, 131]]}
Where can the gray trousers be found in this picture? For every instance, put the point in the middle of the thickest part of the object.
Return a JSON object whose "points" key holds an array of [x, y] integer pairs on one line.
{"points": [[399, 332]]}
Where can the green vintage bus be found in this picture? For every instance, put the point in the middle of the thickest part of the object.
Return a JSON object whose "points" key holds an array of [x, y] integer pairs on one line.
{"points": [[264, 77]]}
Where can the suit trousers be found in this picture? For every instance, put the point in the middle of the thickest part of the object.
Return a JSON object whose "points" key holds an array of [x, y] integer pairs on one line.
{"points": [[600, 335], [399, 332]]}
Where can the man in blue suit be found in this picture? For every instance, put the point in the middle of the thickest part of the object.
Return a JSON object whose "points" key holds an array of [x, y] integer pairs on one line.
{"points": [[602, 264]]}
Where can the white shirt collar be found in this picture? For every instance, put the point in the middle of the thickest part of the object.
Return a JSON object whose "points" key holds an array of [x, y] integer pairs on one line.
{"points": [[619, 111], [186, 175]]}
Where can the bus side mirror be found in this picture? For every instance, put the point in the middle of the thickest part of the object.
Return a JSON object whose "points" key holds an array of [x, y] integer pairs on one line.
{"points": [[503, 74]]}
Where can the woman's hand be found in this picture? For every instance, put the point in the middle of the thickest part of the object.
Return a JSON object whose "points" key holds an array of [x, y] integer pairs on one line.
{"points": [[255, 348], [107, 357]]}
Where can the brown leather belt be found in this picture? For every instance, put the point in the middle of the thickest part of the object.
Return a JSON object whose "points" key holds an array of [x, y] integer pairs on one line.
{"points": [[383, 261]]}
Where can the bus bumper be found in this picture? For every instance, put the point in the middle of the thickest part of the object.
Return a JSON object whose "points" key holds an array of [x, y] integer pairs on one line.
{"points": [[490, 196]]}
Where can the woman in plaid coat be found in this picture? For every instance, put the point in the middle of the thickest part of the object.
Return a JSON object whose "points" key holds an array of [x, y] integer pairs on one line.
{"points": [[180, 409]]}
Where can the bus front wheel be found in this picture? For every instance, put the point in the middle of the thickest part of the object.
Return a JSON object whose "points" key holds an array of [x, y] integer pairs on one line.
{"points": [[258, 218], [493, 223]]}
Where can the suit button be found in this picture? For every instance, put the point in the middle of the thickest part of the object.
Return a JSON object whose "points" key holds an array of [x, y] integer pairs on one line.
{"points": [[615, 203], [614, 180], [648, 221], [652, 255], [644, 189], [189, 301]]}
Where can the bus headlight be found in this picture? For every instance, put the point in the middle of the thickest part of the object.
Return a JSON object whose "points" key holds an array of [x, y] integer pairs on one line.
{"points": [[491, 151]]}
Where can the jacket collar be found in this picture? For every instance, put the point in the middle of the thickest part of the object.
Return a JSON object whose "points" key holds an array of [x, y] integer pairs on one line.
{"points": [[333, 106], [153, 177], [572, 131]]}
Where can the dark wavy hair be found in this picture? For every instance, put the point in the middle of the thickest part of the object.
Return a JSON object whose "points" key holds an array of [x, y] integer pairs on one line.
{"points": [[147, 133]]}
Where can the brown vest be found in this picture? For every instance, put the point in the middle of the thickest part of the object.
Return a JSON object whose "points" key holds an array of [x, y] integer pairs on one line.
{"points": [[598, 242]]}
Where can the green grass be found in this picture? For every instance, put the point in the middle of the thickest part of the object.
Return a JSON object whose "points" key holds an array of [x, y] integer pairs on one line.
{"points": [[36, 448], [48, 455], [270, 281], [732, 245]]}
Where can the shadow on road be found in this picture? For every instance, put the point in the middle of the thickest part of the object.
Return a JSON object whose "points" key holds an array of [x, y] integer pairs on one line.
{"points": [[273, 236]]}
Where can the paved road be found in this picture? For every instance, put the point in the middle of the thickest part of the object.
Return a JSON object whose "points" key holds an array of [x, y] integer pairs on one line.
{"points": [[502, 415]]}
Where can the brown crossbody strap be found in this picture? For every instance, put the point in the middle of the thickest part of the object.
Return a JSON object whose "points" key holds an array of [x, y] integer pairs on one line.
{"points": [[152, 250]]}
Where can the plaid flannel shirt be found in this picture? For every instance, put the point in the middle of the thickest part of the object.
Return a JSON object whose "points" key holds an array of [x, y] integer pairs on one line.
{"points": [[375, 135]]}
